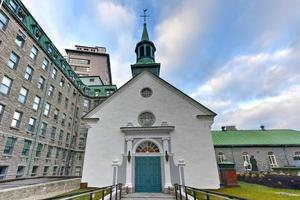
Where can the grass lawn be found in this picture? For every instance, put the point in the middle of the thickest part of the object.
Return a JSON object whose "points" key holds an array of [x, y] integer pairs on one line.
{"points": [[259, 192]]}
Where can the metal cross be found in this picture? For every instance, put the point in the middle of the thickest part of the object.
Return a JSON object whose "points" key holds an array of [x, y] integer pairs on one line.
{"points": [[144, 15]]}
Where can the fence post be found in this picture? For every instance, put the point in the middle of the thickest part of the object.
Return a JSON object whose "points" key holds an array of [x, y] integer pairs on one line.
{"points": [[207, 195], [120, 187], [91, 196], [111, 188], [175, 187], [103, 194], [186, 194], [180, 192], [194, 194]]}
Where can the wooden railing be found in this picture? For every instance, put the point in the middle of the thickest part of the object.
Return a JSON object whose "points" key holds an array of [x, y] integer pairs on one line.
{"points": [[112, 192], [190, 193]]}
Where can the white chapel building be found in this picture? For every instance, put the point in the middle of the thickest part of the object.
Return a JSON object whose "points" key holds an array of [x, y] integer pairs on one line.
{"points": [[149, 135]]}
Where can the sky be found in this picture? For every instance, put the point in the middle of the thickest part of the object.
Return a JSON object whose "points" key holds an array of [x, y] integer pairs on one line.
{"points": [[238, 58]]}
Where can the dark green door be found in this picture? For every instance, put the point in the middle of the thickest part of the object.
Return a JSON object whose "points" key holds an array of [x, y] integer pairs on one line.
{"points": [[147, 174]]}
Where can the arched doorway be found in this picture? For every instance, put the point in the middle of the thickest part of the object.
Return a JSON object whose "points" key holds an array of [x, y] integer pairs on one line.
{"points": [[147, 168]]}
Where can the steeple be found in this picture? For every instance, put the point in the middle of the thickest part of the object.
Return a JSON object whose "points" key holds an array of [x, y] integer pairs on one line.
{"points": [[145, 50]]}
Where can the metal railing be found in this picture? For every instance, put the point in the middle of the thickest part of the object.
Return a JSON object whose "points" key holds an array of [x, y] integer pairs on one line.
{"points": [[190, 193], [112, 192]]}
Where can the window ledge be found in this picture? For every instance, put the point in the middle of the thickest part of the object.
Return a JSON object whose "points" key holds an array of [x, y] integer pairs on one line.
{"points": [[16, 128]]}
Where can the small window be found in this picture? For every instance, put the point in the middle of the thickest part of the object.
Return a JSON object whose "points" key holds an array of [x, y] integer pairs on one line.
{"points": [[9, 145], [221, 157], [33, 53], [3, 171], [66, 103], [148, 50], [23, 95], [47, 109], [2, 108], [28, 73], [36, 103], [20, 39], [12, 4], [53, 133], [16, 121], [26, 147], [63, 119], [50, 49], [41, 82], [45, 64], [146, 119], [5, 86], [20, 171], [54, 73], [34, 170], [43, 129], [146, 92], [147, 147], [31, 125], [13, 60], [56, 114], [3, 21], [49, 152], [92, 80], [61, 135], [54, 171], [62, 82], [50, 90], [142, 51], [272, 159], [39, 150], [59, 97], [46, 169]]}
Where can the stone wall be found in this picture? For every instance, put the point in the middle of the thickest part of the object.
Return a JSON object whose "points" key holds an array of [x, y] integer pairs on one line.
{"points": [[40, 191]]}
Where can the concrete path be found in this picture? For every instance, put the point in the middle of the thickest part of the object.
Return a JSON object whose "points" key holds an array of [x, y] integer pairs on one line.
{"points": [[148, 196]]}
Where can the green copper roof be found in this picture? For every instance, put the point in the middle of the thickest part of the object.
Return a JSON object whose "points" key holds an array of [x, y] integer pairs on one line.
{"points": [[145, 33], [273, 137]]}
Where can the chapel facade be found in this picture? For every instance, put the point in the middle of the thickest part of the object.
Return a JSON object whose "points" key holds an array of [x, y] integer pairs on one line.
{"points": [[149, 135]]}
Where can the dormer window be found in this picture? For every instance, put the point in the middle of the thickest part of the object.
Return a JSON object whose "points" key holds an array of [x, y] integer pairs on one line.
{"points": [[13, 5], [21, 14], [37, 33], [50, 49]]}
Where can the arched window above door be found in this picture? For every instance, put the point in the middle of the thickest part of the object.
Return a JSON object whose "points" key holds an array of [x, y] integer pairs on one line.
{"points": [[147, 147]]}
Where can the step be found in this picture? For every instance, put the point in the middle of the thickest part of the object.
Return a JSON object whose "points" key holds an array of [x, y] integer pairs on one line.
{"points": [[147, 196]]}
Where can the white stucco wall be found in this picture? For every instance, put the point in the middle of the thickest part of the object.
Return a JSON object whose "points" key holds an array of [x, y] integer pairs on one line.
{"points": [[191, 140]]}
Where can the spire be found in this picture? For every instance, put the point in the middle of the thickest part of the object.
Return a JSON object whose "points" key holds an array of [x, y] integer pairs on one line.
{"points": [[145, 36], [145, 53]]}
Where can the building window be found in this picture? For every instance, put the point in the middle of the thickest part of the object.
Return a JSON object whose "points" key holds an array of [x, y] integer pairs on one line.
{"points": [[54, 73], [246, 159], [3, 171], [20, 39], [146, 92], [56, 113], [9, 145], [16, 121], [69, 87], [3, 21], [39, 150], [70, 123], [57, 153], [41, 82], [49, 152], [13, 60], [62, 171], [36, 103], [20, 171], [77, 171], [61, 135], [50, 49], [297, 153], [63, 119], [43, 129], [12, 4], [47, 109], [66, 103], [33, 53], [59, 97], [146, 119], [31, 125], [50, 90], [34, 170], [221, 157], [23, 95], [45, 64], [68, 138], [54, 171], [147, 147], [6, 85], [46, 169], [53, 133], [62, 82], [26, 147], [272, 159], [28, 73], [2, 107]]}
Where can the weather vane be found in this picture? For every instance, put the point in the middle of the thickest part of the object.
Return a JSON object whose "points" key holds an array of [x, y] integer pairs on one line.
{"points": [[144, 15]]}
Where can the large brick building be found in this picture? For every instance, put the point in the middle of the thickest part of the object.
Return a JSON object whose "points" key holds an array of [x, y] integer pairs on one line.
{"points": [[42, 100]]}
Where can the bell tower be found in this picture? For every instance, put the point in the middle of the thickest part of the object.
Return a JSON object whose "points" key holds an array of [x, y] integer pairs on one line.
{"points": [[145, 54]]}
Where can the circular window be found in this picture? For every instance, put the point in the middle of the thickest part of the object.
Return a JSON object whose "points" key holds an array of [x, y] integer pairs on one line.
{"points": [[146, 92], [146, 119]]}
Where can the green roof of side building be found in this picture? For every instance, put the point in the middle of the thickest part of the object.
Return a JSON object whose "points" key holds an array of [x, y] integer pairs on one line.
{"points": [[272, 137]]}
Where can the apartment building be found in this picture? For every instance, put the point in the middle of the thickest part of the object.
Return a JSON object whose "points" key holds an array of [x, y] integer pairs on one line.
{"points": [[42, 101]]}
